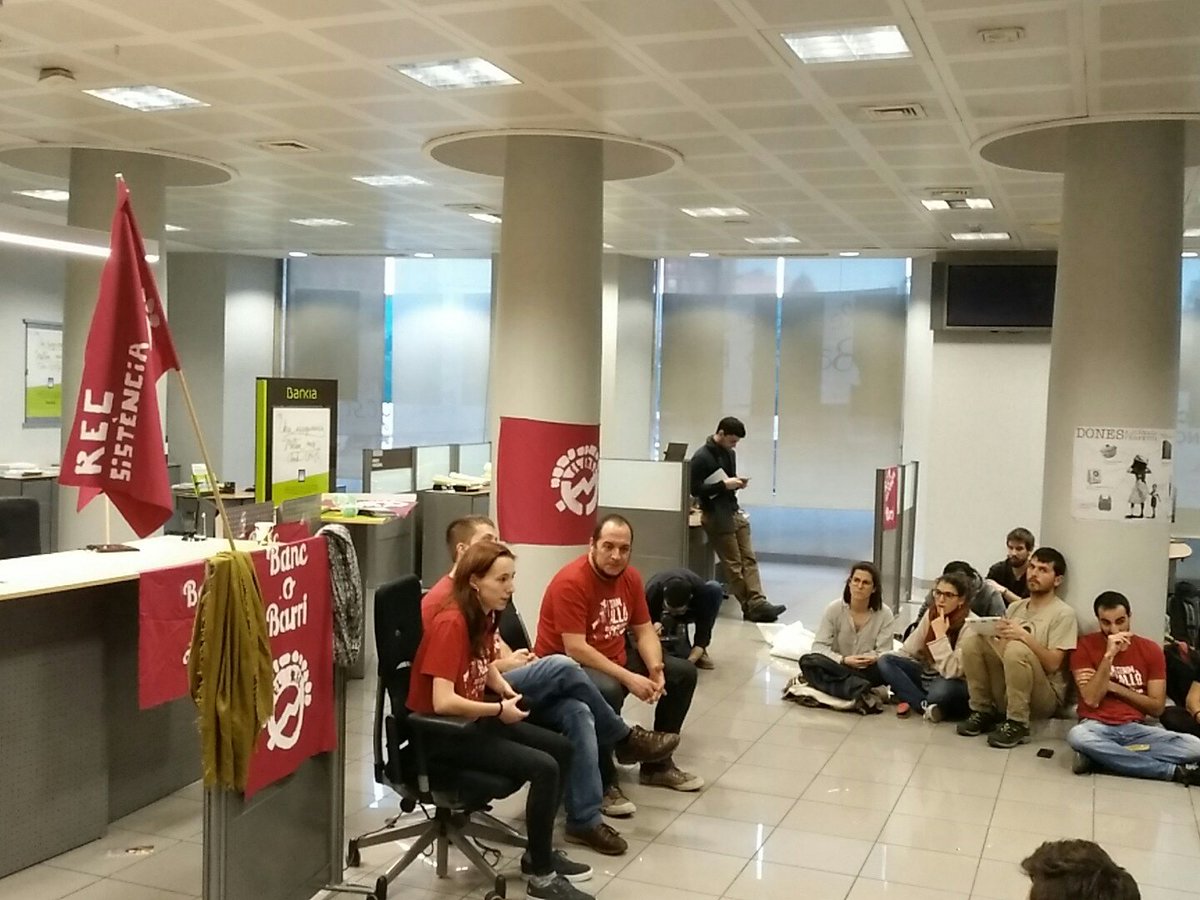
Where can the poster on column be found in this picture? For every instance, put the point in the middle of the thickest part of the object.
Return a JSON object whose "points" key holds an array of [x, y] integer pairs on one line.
{"points": [[547, 484], [1122, 474]]}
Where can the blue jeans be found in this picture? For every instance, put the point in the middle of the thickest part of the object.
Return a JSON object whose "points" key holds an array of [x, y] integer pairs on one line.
{"points": [[906, 676], [1109, 746], [562, 697]]}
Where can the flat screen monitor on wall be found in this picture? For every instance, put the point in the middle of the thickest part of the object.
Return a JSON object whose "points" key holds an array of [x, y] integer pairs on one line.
{"points": [[995, 297]]}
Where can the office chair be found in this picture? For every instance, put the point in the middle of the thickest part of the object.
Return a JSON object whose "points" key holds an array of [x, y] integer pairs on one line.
{"points": [[20, 527], [460, 800], [512, 628]]}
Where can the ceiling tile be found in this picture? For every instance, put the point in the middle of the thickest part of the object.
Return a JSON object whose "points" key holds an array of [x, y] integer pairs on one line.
{"points": [[1012, 71], [581, 64], [612, 96], [522, 26], [398, 39], [754, 87], [1044, 30], [707, 145], [912, 133], [792, 139], [1024, 105], [783, 115], [878, 80], [637, 18], [664, 124], [295, 10], [510, 102], [1162, 96], [238, 90], [1158, 61], [804, 160], [268, 50], [1163, 20], [698, 55], [219, 120], [348, 83], [64, 23], [175, 16], [425, 109], [786, 13], [162, 63]]}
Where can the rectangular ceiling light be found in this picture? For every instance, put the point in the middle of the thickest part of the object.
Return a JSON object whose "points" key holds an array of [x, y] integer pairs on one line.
{"points": [[935, 204], [979, 203], [714, 212], [174, 228], [777, 239], [42, 243], [848, 253], [958, 203], [390, 180], [450, 74], [145, 97], [980, 235], [1191, 232], [490, 218], [319, 223], [45, 194], [848, 44]]}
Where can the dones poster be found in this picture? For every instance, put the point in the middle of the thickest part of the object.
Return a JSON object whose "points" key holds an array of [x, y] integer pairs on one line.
{"points": [[1122, 473]]}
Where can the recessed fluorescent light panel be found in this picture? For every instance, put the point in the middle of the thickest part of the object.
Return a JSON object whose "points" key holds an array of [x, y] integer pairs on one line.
{"points": [[174, 228], [607, 246], [848, 44], [698, 255], [1191, 232], [146, 97], [390, 180], [964, 203], [980, 235], [450, 74], [1189, 254], [423, 255], [51, 195], [42, 243], [297, 254], [714, 212], [848, 253], [319, 223], [490, 218], [776, 239]]}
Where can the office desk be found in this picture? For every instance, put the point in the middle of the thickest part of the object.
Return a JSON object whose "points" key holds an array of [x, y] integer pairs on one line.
{"points": [[188, 507], [77, 751]]}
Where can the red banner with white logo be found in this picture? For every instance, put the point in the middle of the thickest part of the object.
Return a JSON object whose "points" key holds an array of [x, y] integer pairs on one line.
{"points": [[115, 443], [547, 481], [297, 602], [891, 497]]}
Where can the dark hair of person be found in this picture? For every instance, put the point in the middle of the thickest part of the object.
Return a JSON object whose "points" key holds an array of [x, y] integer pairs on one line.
{"points": [[732, 426], [960, 566], [1074, 870], [476, 562], [1111, 600], [1053, 557], [876, 601], [677, 593], [612, 519], [460, 531], [960, 582], [1020, 536]]}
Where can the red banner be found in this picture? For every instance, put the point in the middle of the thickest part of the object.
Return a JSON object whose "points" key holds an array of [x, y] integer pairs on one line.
{"points": [[115, 443], [891, 497], [296, 597], [547, 483]]}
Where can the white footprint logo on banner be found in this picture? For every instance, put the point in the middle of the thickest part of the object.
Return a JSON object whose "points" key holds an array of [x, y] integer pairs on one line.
{"points": [[293, 694]]}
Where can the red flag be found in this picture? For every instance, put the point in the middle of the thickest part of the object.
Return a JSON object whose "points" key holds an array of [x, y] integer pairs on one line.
{"points": [[115, 445], [547, 481]]}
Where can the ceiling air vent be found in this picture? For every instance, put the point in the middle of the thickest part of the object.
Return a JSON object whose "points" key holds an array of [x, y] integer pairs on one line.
{"points": [[948, 193], [287, 145], [901, 112]]}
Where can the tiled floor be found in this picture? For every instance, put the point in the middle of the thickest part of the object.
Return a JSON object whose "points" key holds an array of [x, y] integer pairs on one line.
{"points": [[799, 803]]}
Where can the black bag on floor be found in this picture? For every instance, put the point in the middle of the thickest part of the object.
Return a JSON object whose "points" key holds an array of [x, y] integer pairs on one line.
{"points": [[1182, 670], [1183, 613], [833, 678]]}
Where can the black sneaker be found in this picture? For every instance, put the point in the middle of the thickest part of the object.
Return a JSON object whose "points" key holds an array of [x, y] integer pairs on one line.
{"points": [[564, 867], [763, 612], [1009, 735], [557, 889], [1081, 765], [977, 723], [1187, 774]]}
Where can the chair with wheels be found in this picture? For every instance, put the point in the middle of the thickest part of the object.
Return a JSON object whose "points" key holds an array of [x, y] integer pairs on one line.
{"points": [[20, 527], [459, 800]]}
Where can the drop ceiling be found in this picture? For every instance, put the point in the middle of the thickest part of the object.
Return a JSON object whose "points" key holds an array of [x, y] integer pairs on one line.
{"points": [[789, 143]]}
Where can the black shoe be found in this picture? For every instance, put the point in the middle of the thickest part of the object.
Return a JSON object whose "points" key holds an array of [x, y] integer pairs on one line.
{"points": [[557, 889], [1009, 735], [977, 723], [1081, 765], [763, 612], [564, 867]]}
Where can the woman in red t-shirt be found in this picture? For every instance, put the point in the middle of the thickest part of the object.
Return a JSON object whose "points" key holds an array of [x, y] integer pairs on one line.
{"points": [[451, 673]]}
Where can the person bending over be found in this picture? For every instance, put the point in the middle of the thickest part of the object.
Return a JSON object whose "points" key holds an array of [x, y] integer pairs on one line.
{"points": [[1076, 870], [1018, 673], [1008, 575], [1122, 679], [856, 630], [678, 598], [926, 673], [591, 608], [452, 672]]}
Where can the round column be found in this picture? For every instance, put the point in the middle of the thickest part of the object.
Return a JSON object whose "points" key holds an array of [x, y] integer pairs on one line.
{"points": [[1114, 348]]}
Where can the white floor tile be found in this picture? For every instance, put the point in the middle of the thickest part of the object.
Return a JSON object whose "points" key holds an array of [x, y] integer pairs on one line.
{"points": [[43, 883], [683, 868], [813, 850], [920, 868], [934, 834], [762, 880]]}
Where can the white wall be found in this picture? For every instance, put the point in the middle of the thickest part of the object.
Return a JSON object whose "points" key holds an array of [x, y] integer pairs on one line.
{"points": [[32, 285], [250, 304], [627, 357]]}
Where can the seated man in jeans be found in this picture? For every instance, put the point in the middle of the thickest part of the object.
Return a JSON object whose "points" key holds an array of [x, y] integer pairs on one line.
{"points": [[1018, 673], [1122, 678], [587, 612], [680, 597]]}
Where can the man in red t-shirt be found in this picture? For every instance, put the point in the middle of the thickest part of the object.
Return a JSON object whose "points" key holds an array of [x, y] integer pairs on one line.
{"points": [[460, 535], [1122, 679], [591, 608]]}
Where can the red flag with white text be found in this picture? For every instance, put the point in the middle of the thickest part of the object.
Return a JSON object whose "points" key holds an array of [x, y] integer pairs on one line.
{"points": [[547, 481], [115, 445]]}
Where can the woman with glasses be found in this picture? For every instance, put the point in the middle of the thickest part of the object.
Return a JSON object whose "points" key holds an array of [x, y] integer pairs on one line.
{"points": [[926, 673], [856, 629]]}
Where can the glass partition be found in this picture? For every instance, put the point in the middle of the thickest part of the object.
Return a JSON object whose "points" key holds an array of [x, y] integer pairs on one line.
{"points": [[473, 457]]}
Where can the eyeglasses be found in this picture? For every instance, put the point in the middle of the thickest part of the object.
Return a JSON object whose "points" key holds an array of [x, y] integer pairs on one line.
{"points": [[945, 595], [862, 582]]}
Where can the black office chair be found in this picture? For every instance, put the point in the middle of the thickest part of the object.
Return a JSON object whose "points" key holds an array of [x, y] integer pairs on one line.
{"points": [[20, 527], [512, 628], [460, 800]]}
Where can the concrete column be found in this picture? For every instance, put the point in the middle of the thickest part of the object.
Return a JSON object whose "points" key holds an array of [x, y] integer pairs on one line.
{"points": [[546, 332], [93, 197], [1114, 353]]}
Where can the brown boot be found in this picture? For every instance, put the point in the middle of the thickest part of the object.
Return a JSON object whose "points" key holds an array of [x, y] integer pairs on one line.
{"points": [[602, 838], [645, 746]]}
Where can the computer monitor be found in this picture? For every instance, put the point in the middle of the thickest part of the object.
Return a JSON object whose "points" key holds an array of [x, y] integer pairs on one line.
{"points": [[676, 452]]}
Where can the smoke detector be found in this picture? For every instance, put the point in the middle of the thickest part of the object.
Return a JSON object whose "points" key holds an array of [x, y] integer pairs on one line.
{"points": [[55, 76]]}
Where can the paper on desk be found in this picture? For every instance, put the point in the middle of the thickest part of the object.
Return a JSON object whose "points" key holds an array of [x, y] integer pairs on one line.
{"points": [[716, 476]]}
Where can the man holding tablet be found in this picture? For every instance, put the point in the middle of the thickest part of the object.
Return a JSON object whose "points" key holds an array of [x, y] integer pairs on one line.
{"points": [[1018, 670]]}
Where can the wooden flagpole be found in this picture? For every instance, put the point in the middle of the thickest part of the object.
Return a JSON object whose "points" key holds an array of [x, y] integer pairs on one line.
{"points": [[208, 469]]}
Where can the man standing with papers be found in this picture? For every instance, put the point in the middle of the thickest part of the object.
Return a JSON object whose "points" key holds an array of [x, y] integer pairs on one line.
{"points": [[715, 484]]}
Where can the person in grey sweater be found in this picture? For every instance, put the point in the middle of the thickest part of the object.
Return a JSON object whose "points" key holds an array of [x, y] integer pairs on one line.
{"points": [[857, 629]]}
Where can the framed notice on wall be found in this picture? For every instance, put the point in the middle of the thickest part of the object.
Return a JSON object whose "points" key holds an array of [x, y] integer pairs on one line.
{"points": [[43, 374], [296, 438]]}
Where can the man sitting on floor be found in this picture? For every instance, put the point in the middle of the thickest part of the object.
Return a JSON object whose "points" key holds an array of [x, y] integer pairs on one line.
{"points": [[1122, 679], [678, 598], [1019, 672]]}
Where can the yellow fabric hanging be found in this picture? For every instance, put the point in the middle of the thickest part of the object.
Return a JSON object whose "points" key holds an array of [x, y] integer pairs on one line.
{"points": [[229, 668]]}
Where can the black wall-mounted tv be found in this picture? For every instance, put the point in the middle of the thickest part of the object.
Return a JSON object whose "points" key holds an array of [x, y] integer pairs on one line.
{"points": [[995, 297]]}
